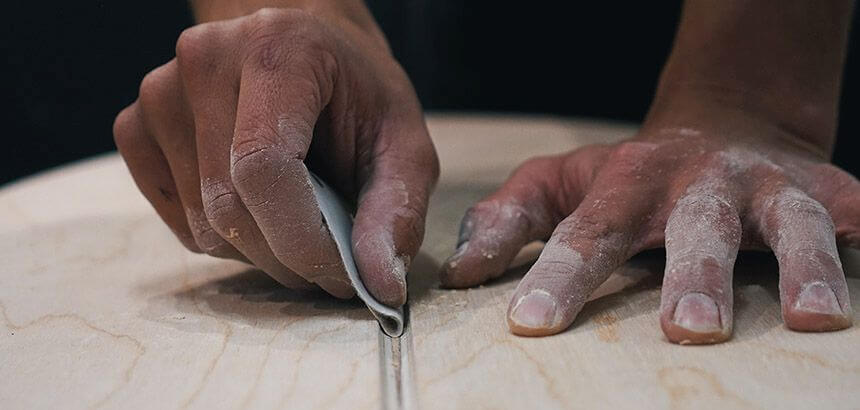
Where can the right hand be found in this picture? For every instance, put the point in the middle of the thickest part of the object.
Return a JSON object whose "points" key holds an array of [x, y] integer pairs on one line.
{"points": [[221, 138]]}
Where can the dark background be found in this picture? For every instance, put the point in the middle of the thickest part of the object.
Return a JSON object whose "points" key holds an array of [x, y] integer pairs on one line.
{"points": [[69, 66]]}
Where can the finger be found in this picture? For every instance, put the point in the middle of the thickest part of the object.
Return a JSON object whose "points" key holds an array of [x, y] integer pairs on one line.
{"points": [[151, 172], [213, 101], [582, 252], [392, 206], [703, 234], [280, 99], [166, 112], [812, 286], [839, 192], [496, 228], [526, 208]]}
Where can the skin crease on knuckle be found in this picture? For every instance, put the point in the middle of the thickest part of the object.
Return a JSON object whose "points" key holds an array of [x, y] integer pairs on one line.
{"points": [[220, 204], [200, 49], [560, 295], [582, 251], [158, 103], [283, 40], [493, 230], [697, 175], [812, 285], [254, 173], [279, 43], [296, 45], [498, 223], [702, 238]]}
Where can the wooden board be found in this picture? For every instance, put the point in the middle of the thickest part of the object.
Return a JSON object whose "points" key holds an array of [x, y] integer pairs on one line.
{"points": [[101, 308]]}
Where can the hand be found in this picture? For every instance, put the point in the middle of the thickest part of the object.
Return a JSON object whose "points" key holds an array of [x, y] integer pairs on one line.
{"points": [[221, 139], [704, 191]]}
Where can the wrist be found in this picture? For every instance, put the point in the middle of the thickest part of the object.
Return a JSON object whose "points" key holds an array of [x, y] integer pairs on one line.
{"points": [[776, 63]]}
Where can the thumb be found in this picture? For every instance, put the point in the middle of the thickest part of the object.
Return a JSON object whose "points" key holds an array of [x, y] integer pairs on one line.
{"points": [[392, 206]]}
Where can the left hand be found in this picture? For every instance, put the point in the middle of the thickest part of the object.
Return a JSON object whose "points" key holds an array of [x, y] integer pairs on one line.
{"points": [[705, 190]]}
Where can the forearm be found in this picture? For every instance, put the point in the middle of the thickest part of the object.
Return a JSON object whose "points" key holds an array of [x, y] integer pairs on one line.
{"points": [[778, 60], [352, 13]]}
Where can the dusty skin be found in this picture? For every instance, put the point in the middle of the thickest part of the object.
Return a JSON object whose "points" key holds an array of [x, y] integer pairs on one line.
{"points": [[733, 154], [601, 204], [221, 138]]}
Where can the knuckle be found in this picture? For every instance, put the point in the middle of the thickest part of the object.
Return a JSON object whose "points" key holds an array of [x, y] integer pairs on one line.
{"points": [[557, 270], [791, 213], [254, 172], [535, 167], [155, 87], [819, 256], [792, 203], [704, 204], [211, 243], [492, 214], [221, 205], [206, 238], [719, 161], [696, 262], [267, 31], [196, 48], [267, 51], [588, 226], [701, 216], [633, 151], [628, 159], [123, 127], [255, 132], [269, 21], [738, 164], [482, 209], [278, 17]]}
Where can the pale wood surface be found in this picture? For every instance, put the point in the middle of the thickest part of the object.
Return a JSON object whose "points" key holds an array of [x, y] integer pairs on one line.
{"points": [[615, 356], [101, 307]]}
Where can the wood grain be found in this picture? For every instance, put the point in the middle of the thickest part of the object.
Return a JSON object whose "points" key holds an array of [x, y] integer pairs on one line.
{"points": [[101, 308]]}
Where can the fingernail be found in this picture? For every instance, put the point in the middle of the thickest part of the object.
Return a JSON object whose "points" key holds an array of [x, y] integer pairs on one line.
{"points": [[817, 297], [466, 227], [535, 310], [336, 286], [698, 313], [453, 259]]}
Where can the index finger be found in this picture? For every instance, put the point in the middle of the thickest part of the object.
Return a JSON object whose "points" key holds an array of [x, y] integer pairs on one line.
{"points": [[280, 99]]}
